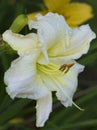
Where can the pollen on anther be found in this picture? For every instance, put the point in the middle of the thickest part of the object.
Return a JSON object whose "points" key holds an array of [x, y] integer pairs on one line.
{"points": [[65, 68]]}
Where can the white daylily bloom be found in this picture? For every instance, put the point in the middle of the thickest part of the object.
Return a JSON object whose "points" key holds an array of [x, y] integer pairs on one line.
{"points": [[46, 62]]}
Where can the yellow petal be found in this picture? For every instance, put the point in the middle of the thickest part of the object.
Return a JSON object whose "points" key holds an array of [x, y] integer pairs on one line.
{"points": [[76, 13], [53, 5], [33, 15]]}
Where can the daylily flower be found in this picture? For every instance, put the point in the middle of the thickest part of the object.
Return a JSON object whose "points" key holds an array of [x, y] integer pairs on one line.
{"points": [[46, 62], [75, 13]]}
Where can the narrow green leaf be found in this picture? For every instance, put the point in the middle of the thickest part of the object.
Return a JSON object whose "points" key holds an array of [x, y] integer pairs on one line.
{"points": [[82, 124], [5, 103], [13, 109], [93, 46], [89, 59]]}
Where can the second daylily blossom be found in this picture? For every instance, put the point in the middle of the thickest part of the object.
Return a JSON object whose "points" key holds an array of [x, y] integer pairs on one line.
{"points": [[75, 13], [46, 62]]}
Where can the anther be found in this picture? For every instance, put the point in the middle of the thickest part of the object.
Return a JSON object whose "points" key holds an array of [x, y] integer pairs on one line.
{"points": [[65, 68]]}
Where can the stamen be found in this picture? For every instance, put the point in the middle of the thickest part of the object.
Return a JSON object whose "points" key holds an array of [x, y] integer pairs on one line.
{"points": [[65, 94], [50, 69], [53, 69]]}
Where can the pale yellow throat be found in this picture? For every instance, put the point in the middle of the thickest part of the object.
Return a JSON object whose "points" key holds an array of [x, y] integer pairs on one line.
{"points": [[53, 69]]}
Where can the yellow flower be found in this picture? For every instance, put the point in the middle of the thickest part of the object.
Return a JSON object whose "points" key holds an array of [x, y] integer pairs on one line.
{"points": [[75, 13], [46, 62]]}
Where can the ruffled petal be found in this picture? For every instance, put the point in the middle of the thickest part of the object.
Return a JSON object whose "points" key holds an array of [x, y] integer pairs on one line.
{"points": [[43, 109], [66, 85], [22, 78], [79, 43], [22, 44], [52, 31]]}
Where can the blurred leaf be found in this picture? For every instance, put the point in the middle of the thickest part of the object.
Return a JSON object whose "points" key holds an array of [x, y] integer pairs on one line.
{"points": [[93, 46], [89, 59], [13, 109]]}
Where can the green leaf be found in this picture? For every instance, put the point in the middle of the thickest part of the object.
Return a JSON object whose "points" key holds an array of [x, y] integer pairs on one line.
{"points": [[13, 110], [93, 46], [89, 59]]}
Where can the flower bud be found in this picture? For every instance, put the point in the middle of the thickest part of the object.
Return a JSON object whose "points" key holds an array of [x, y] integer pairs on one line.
{"points": [[19, 23]]}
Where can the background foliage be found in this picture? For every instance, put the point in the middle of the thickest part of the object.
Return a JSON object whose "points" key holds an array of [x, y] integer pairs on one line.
{"points": [[19, 114]]}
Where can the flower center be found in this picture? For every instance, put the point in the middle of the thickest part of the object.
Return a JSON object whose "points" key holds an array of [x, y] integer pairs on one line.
{"points": [[53, 69]]}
